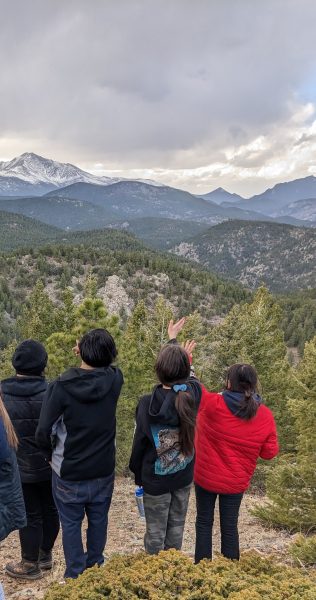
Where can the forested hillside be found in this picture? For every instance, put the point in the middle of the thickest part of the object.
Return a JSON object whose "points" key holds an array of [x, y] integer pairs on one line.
{"points": [[280, 256], [17, 231], [163, 234], [125, 272], [66, 213], [299, 317]]}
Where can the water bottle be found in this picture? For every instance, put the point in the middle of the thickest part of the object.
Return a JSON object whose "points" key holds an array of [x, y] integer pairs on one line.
{"points": [[139, 495], [1, 593]]}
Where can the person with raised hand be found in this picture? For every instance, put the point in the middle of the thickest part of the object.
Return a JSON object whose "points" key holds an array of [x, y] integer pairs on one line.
{"points": [[162, 456]]}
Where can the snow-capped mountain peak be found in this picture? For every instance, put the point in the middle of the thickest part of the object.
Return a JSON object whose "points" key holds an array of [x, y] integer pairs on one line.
{"points": [[34, 169], [31, 174]]}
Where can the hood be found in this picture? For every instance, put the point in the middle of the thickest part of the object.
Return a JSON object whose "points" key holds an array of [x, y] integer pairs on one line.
{"points": [[162, 408], [89, 386], [24, 386], [233, 400]]}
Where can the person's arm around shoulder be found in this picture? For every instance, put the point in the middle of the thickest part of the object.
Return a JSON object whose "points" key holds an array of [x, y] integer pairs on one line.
{"points": [[270, 447], [51, 411]]}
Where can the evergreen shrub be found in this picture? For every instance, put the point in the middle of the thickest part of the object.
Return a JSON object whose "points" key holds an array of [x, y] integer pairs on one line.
{"points": [[291, 484], [172, 575], [303, 550]]}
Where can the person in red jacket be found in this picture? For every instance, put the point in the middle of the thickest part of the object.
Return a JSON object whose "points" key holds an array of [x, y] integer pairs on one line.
{"points": [[233, 430]]}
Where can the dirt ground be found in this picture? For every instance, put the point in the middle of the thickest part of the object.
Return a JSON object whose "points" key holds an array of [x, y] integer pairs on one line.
{"points": [[125, 534]]}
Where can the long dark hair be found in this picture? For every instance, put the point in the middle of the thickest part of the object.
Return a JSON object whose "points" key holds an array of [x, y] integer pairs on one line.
{"points": [[9, 429], [243, 378], [173, 367]]}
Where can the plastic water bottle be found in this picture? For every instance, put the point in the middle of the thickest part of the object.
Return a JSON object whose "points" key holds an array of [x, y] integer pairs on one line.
{"points": [[1, 593], [139, 495]]}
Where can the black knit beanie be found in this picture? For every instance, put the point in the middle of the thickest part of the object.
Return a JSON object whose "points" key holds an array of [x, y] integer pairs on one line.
{"points": [[30, 358]]}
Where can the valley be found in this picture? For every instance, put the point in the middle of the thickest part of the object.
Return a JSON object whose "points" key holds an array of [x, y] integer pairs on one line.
{"points": [[141, 240]]}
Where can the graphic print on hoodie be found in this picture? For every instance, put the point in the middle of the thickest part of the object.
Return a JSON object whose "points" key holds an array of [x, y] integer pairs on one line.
{"points": [[170, 458], [156, 460], [77, 426]]}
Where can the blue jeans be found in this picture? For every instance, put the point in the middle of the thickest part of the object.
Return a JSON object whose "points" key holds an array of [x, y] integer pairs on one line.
{"points": [[74, 500]]}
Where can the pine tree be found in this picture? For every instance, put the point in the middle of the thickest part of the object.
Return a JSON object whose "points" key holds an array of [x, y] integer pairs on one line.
{"points": [[134, 358], [38, 316], [91, 286], [6, 368], [291, 485], [194, 329], [66, 314], [251, 333], [90, 314]]}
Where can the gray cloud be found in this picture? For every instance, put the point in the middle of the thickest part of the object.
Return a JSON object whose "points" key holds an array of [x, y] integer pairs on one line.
{"points": [[138, 84]]}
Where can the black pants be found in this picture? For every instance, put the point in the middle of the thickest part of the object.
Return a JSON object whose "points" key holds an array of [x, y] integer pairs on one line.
{"points": [[229, 505], [42, 520]]}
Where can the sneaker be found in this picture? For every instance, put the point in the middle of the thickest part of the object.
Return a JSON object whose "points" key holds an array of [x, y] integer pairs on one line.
{"points": [[45, 560], [24, 570]]}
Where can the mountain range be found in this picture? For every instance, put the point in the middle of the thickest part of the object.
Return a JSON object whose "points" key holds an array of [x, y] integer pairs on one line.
{"points": [[281, 256], [220, 195], [63, 195], [283, 199], [36, 175]]}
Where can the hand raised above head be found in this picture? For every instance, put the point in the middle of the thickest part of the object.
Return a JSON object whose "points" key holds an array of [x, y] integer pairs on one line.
{"points": [[189, 347], [175, 328]]}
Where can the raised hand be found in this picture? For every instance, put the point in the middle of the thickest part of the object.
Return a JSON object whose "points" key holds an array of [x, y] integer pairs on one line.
{"points": [[189, 347], [75, 349], [175, 328]]}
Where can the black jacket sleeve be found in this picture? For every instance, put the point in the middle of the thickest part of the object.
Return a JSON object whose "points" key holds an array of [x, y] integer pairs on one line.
{"points": [[51, 411], [140, 443]]}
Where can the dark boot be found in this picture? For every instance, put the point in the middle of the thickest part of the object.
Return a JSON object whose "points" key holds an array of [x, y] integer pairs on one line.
{"points": [[24, 570], [45, 560]]}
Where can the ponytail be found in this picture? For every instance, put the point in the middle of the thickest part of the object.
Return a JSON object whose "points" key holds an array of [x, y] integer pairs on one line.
{"points": [[186, 409], [243, 378], [249, 406], [172, 367], [11, 435]]}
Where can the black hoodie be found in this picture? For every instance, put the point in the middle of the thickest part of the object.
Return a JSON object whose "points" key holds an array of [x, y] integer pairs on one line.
{"points": [[156, 460], [77, 425]]}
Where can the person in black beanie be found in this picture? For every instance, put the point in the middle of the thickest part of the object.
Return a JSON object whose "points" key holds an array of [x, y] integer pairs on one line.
{"points": [[23, 395]]}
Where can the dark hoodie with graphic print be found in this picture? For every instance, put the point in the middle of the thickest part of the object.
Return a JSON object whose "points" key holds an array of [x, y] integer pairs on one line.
{"points": [[156, 459], [77, 426]]}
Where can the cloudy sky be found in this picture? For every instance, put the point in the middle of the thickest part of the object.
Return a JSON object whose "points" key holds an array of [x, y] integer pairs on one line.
{"points": [[194, 93]]}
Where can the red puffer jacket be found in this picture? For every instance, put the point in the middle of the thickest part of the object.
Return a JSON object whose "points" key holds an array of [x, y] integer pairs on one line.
{"points": [[227, 447]]}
